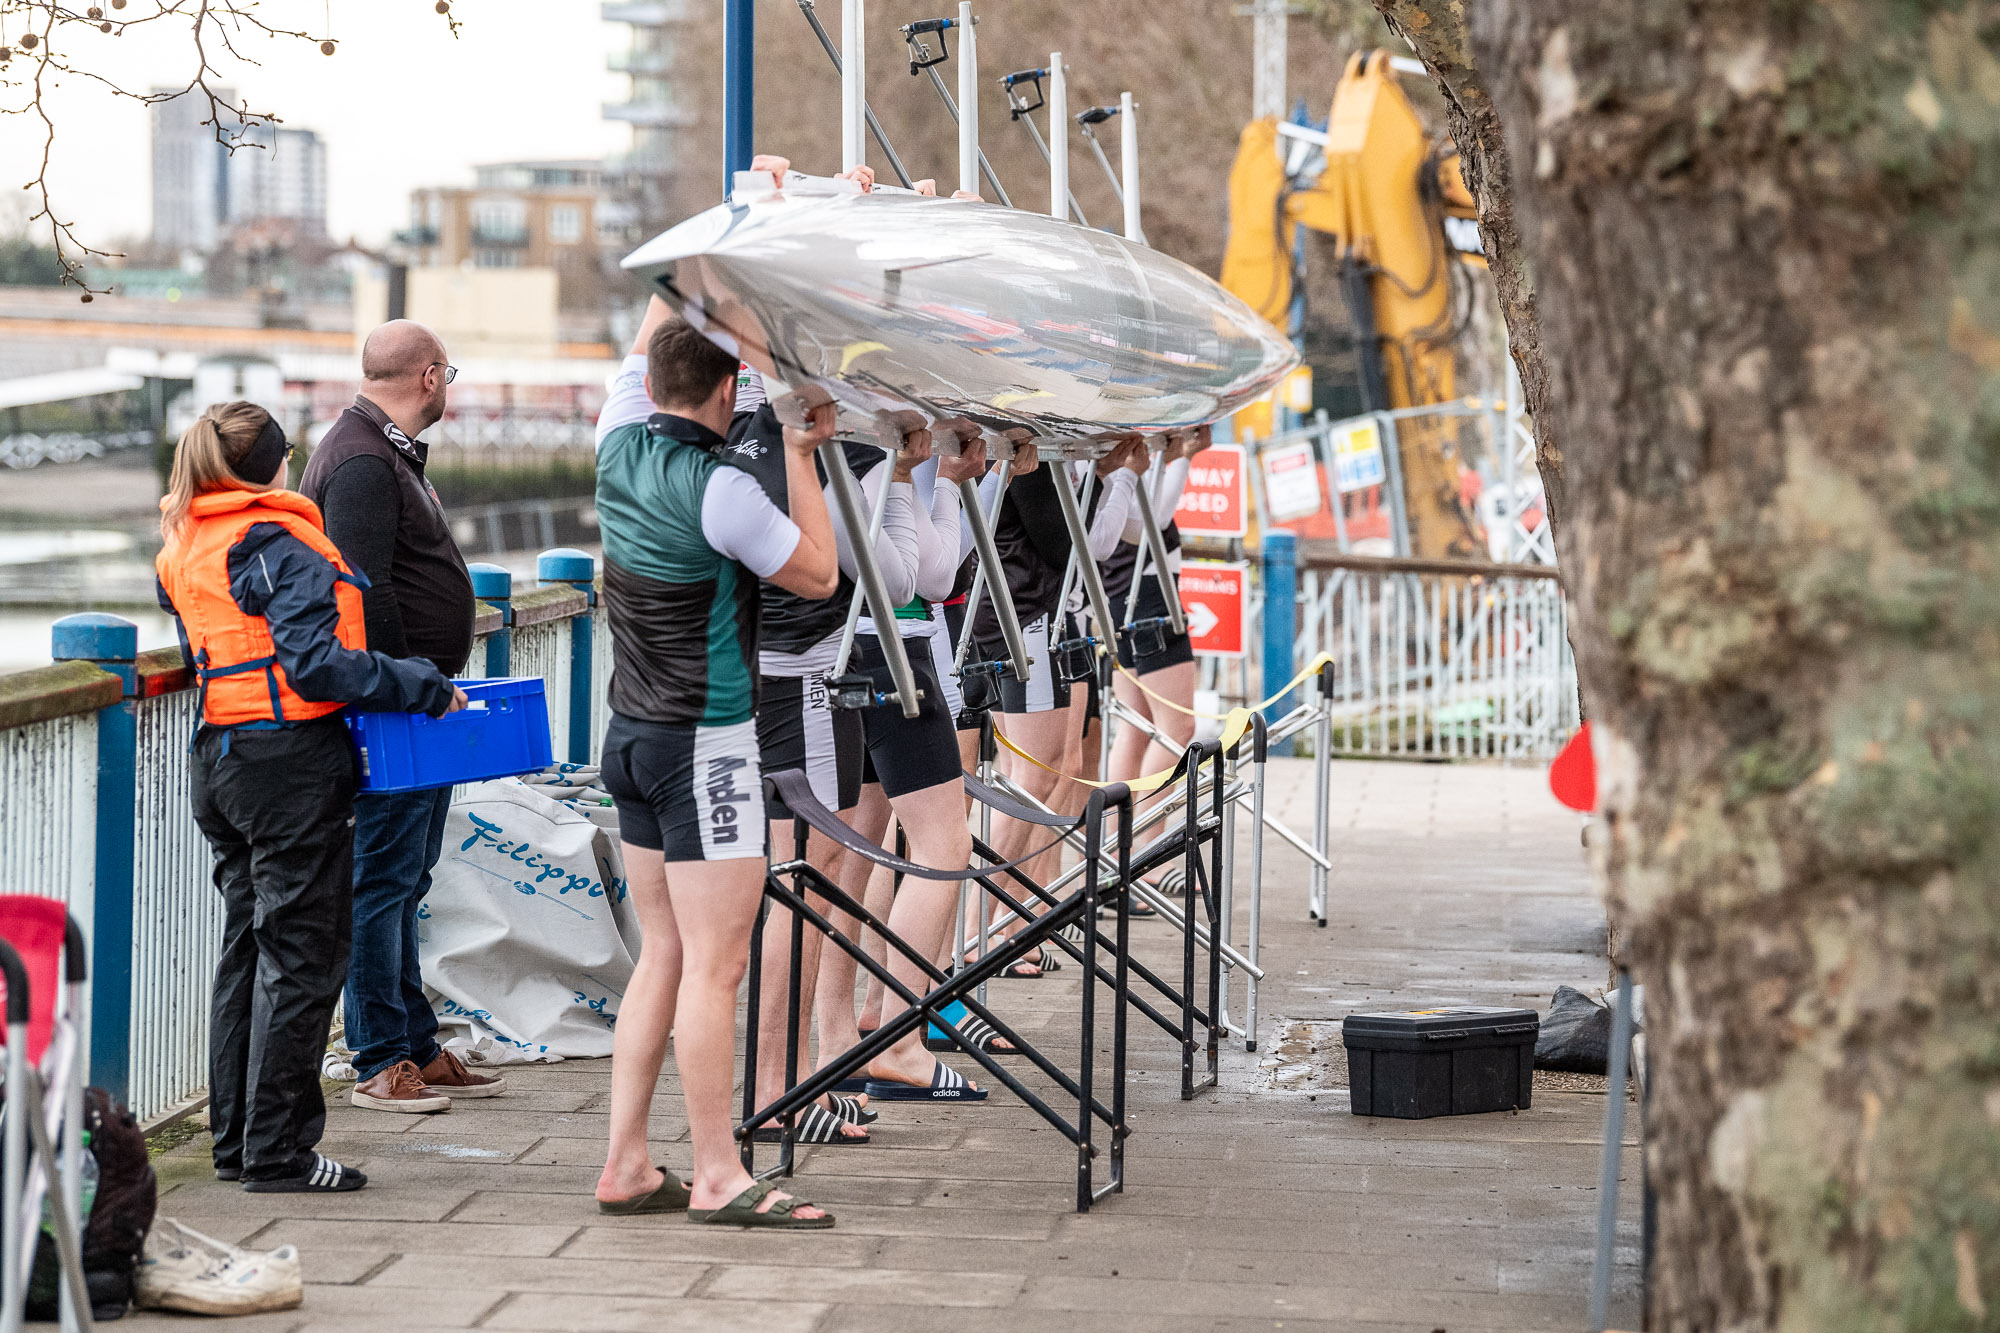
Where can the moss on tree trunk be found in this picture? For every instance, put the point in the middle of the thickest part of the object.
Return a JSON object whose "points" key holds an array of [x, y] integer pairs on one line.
{"points": [[1763, 242]]}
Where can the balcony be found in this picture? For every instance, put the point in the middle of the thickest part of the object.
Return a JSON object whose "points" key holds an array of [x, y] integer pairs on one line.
{"points": [[415, 236], [655, 115], [500, 237], [646, 13], [641, 62]]}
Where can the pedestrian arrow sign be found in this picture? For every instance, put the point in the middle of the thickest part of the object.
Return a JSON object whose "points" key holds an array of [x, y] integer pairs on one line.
{"points": [[1202, 620], [1216, 594]]}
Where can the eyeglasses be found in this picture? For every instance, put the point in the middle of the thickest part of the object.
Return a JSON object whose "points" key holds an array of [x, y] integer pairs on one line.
{"points": [[450, 372]]}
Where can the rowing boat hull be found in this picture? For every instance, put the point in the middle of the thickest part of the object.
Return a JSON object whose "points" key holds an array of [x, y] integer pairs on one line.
{"points": [[891, 300]]}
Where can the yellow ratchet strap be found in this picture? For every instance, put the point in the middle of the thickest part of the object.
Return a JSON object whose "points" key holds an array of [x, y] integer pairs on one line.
{"points": [[1233, 727], [1312, 668]]}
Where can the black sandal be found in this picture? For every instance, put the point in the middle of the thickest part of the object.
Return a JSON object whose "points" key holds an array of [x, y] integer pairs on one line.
{"points": [[852, 1111], [817, 1126], [981, 1035]]}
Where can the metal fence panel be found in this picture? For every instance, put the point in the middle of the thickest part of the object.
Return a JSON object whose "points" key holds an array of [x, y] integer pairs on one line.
{"points": [[177, 915], [48, 817], [1442, 665], [543, 650]]}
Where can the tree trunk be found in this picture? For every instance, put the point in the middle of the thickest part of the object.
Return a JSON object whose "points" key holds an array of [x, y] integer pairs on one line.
{"points": [[1765, 243], [1435, 29]]}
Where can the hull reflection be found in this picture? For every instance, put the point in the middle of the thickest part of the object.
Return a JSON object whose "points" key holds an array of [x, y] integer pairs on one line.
{"points": [[890, 300]]}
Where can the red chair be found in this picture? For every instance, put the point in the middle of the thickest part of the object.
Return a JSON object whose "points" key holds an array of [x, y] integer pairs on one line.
{"points": [[42, 962]]}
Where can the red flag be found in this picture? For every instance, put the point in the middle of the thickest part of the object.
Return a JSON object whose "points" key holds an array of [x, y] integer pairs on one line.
{"points": [[1573, 776]]}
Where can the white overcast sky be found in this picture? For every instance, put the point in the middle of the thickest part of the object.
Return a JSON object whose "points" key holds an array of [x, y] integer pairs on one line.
{"points": [[401, 104]]}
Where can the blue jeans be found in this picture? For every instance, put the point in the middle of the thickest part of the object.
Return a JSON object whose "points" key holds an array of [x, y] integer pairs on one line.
{"points": [[397, 839]]}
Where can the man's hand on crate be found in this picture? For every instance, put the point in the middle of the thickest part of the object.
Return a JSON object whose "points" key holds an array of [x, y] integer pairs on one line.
{"points": [[458, 700]]}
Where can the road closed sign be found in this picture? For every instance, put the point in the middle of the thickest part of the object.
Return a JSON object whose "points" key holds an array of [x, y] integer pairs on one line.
{"points": [[1213, 505], [1215, 595]]}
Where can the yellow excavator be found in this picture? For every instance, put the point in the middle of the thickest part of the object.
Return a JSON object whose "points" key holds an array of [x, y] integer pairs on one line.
{"points": [[1383, 204]]}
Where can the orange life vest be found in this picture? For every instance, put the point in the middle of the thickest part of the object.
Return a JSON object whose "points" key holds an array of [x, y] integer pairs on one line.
{"points": [[234, 658]]}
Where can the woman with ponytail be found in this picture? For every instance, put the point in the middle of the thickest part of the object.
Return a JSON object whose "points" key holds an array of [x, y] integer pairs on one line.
{"points": [[270, 623]]}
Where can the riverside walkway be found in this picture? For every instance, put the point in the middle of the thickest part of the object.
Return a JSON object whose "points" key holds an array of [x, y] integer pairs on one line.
{"points": [[1264, 1205]]}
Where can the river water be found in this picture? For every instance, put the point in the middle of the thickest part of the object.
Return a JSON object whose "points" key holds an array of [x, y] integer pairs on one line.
{"points": [[47, 573]]}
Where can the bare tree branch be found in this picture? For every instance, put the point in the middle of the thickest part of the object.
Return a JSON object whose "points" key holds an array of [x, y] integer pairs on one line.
{"points": [[211, 24]]}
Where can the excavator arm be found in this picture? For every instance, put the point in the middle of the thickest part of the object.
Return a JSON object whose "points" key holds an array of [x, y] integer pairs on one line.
{"points": [[1395, 205]]}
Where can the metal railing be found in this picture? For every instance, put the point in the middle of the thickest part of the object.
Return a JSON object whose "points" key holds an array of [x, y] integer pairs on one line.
{"points": [[93, 758], [1433, 661]]}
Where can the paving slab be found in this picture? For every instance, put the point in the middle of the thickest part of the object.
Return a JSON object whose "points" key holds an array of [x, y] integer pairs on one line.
{"points": [[1262, 1203]]}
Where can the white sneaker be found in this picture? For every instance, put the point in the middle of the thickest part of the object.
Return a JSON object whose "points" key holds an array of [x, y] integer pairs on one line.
{"points": [[245, 1283], [172, 1255], [185, 1270]]}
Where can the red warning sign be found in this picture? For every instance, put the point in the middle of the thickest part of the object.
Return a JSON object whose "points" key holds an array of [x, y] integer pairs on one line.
{"points": [[1214, 504], [1215, 595]]}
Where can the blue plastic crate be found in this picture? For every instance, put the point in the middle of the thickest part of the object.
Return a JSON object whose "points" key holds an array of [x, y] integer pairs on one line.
{"points": [[503, 730]]}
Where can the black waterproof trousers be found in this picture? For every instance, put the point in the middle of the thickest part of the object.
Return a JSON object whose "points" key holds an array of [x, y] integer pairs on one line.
{"points": [[278, 810]]}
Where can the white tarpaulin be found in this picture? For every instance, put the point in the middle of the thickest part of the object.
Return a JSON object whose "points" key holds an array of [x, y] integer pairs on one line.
{"points": [[526, 939]]}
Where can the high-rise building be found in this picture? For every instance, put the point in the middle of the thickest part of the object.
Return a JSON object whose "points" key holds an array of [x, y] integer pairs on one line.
{"points": [[660, 120], [279, 174], [190, 173], [201, 189]]}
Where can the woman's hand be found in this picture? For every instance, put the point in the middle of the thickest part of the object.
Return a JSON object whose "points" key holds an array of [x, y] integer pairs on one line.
{"points": [[915, 451], [458, 700]]}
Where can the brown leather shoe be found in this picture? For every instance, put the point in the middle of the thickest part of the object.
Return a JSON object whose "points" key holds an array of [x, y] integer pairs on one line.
{"points": [[399, 1088], [447, 1074]]}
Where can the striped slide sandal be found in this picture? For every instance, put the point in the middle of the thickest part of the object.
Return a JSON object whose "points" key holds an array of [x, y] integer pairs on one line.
{"points": [[947, 1085]]}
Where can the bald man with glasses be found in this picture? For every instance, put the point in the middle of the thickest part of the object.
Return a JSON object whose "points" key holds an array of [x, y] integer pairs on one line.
{"points": [[367, 476]]}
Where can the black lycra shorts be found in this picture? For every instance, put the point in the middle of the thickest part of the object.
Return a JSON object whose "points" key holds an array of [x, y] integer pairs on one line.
{"points": [[799, 728], [906, 754], [1041, 691], [1177, 649], [692, 792]]}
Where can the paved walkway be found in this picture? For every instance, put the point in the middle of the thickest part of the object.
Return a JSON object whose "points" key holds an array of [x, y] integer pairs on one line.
{"points": [[1264, 1205]]}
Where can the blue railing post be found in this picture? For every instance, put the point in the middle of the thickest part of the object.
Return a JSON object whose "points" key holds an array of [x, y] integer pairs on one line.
{"points": [[111, 643], [1281, 596], [574, 569], [739, 89], [490, 583]]}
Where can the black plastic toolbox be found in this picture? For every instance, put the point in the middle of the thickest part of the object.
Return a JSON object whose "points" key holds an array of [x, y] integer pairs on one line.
{"points": [[1427, 1062]]}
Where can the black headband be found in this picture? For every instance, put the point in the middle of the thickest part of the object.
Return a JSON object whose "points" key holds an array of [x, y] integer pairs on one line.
{"points": [[265, 457]]}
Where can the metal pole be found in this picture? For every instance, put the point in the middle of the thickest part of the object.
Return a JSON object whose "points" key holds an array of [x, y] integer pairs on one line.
{"points": [[988, 750], [1257, 758], [1128, 162], [1162, 572], [1019, 106], [1392, 458], [1075, 551], [847, 632], [1058, 149], [951, 105], [847, 499], [1322, 791], [1267, 96], [874, 125], [14, 1153], [1330, 467], [1614, 1150], [74, 1316], [739, 88], [1079, 536], [968, 100], [990, 573], [1159, 479], [1096, 147], [853, 83]]}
